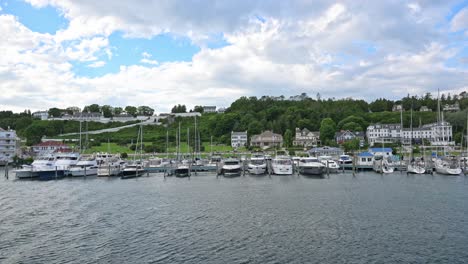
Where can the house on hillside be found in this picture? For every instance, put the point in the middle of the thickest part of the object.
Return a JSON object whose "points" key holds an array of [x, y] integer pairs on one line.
{"points": [[425, 109], [346, 135], [238, 139], [50, 147], [306, 138], [397, 108], [267, 139], [209, 109], [9, 145], [452, 107], [43, 115]]}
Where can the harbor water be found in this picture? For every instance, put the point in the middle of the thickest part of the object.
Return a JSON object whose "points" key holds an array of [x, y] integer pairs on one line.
{"points": [[367, 218]]}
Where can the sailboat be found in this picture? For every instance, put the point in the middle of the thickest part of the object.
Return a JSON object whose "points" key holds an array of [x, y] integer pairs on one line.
{"points": [[182, 168], [447, 165], [135, 169], [414, 166], [464, 156]]}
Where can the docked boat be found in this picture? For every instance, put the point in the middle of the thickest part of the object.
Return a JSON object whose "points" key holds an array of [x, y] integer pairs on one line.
{"points": [[257, 165], [447, 166], [63, 162], [111, 168], [158, 163], [214, 161], [84, 167], [382, 165], [182, 170], [416, 167], [132, 171], [329, 163], [311, 166], [231, 167], [345, 160], [31, 171], [282, 165]]}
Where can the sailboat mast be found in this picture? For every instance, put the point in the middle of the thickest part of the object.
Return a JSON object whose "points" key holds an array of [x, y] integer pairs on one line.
{"points": [[80, 137], [411, 138], [167, 143]]}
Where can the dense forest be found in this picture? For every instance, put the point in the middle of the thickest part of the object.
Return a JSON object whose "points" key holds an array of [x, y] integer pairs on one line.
{"points": [[255, 115]]}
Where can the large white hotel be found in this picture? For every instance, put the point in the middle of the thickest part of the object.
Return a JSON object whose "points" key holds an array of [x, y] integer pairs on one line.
{"points": [[438, 134], [8, 145]]}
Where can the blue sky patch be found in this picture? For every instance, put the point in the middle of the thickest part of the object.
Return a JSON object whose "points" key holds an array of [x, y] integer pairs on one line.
{"points": [[42, 20]]}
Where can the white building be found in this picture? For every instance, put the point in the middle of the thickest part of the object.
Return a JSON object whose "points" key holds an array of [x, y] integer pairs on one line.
{"points": [[397, 108], [49, 147], [238, 139], [209, 109], [306, 138], [437, 134], [452, 108], [43, 115], [383, 133], [8, 145]]}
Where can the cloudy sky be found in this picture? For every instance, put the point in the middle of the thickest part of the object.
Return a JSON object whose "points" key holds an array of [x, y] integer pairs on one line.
{"points": [[160, 53]]}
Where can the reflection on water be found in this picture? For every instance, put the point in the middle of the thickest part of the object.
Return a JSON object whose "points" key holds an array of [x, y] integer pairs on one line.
{"points": [[248, 219]]}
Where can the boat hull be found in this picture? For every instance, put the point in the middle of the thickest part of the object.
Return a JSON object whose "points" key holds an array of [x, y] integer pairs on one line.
{"points": [[448, 171], [415, 170], [47, 175], [128, 174], [182, 172], [283, 170], [108, 171], [316, 171], [83, 173], [257, 170], [26, 174]]}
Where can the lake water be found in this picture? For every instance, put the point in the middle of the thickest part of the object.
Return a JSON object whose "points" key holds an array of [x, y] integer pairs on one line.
{"points": [[368, 218]]}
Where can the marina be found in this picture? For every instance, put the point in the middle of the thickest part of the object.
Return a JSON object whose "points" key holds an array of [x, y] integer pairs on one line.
{"points": [[269, 219]]}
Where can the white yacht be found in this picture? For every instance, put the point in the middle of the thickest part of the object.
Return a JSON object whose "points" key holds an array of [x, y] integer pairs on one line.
{"points": [[330, 163], [30, 171], [84, 167], [257, 165], [111, 167], [311, 166], [158, 162], [345, 159], [282, 165], [231, 167], [416, 166], [382, 165], [133, 170], [182, 169], [447, 166]]}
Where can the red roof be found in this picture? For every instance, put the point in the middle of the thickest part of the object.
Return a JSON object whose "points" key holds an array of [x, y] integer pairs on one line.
{"points": [[51, 144]]}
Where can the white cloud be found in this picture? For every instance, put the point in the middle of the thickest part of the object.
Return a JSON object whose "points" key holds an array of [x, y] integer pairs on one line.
{"points": [[97, 64], [301, 46], [460, 20]]}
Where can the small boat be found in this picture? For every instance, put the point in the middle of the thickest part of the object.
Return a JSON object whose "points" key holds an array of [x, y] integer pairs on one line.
{"points": [[133, 171], [182, 170], [345, 160], [84, 167], [111, 168], [447, 166], [416, 167], [311, 166], [382, 165], [257, 165], [231, 167], [330, 163], [282, 165], [30, 171]]}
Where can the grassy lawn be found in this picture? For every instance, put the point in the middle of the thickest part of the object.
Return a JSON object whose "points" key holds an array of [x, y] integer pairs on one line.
{"points": [[115, 148]]}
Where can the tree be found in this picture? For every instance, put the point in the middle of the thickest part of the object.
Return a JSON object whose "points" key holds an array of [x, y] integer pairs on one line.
{"points": [[118, 110], [179, 109], [145, 110], [288, 137], [327, 129], [131, 110], [94, 108], [351, 145], [352, 126], [107, 111], [55, 112], [198, 108]]}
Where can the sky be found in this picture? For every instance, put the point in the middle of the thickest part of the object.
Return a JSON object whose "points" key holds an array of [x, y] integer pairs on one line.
{"points": [[61, 53]]}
